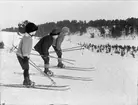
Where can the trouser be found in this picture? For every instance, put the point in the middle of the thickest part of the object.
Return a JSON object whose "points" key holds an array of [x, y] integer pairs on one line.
{"points": [[25, 65], [47, 59], [58, 52]]}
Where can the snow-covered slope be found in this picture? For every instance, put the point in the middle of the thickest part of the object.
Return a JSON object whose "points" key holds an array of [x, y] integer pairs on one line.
{"points": [[114, 78]]}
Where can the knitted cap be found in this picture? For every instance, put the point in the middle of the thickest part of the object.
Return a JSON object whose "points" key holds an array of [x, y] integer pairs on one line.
{"points": [[65, 29], [55, 31], [31, 27]]}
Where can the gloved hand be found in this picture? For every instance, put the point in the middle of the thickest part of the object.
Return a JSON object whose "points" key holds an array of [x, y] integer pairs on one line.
{"points": [[25, 58]]}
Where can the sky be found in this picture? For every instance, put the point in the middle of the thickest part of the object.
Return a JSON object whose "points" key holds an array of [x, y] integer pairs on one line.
{"points": [[39, 12]]}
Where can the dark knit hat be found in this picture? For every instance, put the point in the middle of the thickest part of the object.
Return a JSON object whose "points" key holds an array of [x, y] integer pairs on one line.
{"points": [[31, 27], [55, 31]]}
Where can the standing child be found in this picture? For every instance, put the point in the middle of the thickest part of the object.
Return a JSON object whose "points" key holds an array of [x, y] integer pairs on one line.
{"points": [[24, 50], [55, 40]]}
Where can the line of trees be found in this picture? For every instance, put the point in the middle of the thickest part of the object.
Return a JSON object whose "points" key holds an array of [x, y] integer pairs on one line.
{"points": [[116, 27]]}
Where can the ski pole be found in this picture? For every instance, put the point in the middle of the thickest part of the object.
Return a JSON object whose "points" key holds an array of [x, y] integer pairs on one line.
{"points": [[36, 67], [67, 50], [64, 60], [73, 47], [11, 49]]}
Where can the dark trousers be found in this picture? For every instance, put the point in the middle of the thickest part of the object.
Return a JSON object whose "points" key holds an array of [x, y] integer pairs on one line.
{"points": [[25, 65], [46, 55]]}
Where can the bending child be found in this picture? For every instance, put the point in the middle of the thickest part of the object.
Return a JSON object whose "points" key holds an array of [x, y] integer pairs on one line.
{"points": [[54, 39]]}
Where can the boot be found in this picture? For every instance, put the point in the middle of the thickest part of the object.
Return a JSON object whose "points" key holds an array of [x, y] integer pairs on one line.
{"points": [[47, 71], [28, 82], [60, 64]]}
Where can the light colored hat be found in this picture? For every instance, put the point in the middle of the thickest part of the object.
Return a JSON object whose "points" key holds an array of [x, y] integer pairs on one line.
{"points": [[65, 29]]}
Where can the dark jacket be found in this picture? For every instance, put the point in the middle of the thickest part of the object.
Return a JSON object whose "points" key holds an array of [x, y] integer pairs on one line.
{"points": [[46, 42], [43, 45]]}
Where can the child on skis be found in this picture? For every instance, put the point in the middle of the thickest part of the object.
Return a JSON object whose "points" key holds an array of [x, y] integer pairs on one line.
{"points": [[24, 49], [54, 39]]}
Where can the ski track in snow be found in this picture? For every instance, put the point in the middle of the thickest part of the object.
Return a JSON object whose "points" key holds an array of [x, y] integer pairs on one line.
{"points": [[114, 79]]}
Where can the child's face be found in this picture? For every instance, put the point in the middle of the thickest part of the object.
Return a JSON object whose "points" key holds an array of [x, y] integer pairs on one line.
{"points": [[66, 33], [55, 36], [33, 33]]}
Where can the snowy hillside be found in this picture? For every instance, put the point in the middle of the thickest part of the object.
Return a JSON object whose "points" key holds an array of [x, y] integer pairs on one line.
{"points": [[114, 79]]}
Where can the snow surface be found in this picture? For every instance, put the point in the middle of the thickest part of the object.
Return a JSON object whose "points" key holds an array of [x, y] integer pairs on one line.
{"points": [[114, 77]]}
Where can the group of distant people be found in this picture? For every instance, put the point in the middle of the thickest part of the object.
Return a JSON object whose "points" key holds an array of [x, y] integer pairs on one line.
{"points": [[122, 50]]}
